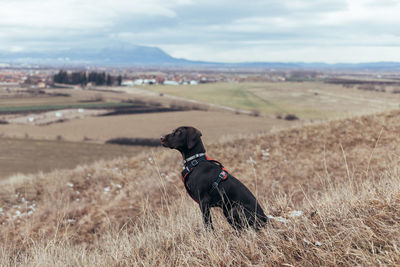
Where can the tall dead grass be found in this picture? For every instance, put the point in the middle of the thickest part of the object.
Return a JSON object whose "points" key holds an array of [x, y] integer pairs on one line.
{"points": [[343, 226], [332, 191]]}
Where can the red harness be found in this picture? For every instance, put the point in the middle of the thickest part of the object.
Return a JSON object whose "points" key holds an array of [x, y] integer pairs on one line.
{"points": [[190, 165]]}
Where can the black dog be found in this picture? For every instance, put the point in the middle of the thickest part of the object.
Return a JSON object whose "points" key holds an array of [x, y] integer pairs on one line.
{"points": [[209, 184]]}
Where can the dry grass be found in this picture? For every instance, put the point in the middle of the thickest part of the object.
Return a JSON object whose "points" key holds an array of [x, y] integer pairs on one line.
{"points": [[343, 176]]}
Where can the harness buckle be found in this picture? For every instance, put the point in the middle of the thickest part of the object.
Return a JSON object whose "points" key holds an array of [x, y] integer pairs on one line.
{"points": [[222, 174], [194, 162]]}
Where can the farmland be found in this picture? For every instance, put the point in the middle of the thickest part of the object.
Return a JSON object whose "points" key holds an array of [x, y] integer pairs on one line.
{"points": [[75, 116], [25, 156], [61, 128]]}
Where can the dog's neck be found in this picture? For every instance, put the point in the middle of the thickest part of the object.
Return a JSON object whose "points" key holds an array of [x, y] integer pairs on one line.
{"points": [[198, 148]]}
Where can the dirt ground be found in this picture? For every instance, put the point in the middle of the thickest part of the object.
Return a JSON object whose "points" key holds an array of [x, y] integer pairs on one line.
{"points": [[213, 124], [32, 156]]}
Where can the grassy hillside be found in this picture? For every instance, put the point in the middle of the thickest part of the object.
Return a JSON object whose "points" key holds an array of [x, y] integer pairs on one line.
{"points": [[332, 189]]}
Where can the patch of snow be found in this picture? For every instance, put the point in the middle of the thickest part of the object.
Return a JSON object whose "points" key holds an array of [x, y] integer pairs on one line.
{"points": [[81, 110], [265, 153], [31, 119], [59, 114], [251, 160], [306, 241], [1, 210], [71, 220], [107, 189], [279, 219], [317, 243], [70, 184], [295, 213]]}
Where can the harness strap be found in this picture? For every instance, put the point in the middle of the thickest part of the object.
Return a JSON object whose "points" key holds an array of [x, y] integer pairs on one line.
{"points": [[191, 162], [221, 177]]}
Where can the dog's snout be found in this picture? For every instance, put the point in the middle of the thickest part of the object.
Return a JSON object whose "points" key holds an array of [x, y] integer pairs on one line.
{"points": [[162, 138]]}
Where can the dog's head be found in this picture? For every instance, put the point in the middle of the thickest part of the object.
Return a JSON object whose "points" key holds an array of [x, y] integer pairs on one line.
{"points": [[183, 138]]}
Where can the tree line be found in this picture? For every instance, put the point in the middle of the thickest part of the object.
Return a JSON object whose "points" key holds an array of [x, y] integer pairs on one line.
{"points": [[83, 78]]}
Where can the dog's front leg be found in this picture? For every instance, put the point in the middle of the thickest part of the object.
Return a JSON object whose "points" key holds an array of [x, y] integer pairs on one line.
{"points": [[205, 210]]}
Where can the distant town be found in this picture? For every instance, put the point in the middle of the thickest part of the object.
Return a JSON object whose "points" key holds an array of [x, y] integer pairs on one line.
{"points": [[45, 78], [42, 77]]}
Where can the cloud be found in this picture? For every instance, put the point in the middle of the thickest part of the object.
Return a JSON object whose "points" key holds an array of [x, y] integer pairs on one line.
{"points": [[224, 30]]}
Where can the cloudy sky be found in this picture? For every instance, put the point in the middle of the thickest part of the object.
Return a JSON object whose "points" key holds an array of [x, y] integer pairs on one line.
{"points": [[212, 30]]}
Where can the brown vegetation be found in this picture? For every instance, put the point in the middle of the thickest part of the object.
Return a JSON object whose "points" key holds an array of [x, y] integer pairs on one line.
{"points": [[343, 176], [135, 141]]}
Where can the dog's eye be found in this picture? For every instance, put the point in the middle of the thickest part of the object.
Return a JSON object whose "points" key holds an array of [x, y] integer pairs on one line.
{"points": [[178, 132]]}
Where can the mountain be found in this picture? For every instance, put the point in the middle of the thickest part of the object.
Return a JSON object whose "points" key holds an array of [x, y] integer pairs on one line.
{"points": [[122, 54]]}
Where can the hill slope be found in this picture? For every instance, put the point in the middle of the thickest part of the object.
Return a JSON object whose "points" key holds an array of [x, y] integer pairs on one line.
{"points": [[343, 176]]}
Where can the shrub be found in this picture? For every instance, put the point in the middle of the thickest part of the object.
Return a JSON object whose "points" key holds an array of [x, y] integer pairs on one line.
{"points": [[291, 117], [188, 106], [255, 113], [367, 87], [134, 141]]}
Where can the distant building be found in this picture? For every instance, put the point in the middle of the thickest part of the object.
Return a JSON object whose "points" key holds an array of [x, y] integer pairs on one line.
{"points": [[41, 85], [170, 82], [138, 82], [127, 83], [160, 79], [149, 81]]}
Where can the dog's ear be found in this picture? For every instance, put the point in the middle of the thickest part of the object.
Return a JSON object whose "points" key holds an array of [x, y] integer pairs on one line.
{"points": [[193, 137]]}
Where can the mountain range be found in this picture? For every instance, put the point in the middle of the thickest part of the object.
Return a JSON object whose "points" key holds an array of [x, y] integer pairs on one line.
{"points": [[127, 55]]}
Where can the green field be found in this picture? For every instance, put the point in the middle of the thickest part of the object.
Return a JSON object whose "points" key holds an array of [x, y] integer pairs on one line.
{"points": [[308, 100]]}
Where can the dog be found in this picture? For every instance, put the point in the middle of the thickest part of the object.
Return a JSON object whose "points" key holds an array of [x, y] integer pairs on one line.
{"points": [[211, 185]]}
